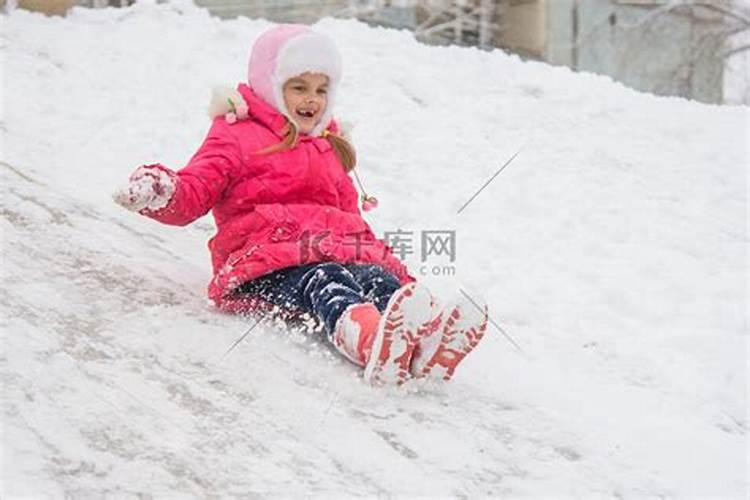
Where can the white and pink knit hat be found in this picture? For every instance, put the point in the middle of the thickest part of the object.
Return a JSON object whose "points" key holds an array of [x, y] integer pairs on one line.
{"points": [[286, 51]]}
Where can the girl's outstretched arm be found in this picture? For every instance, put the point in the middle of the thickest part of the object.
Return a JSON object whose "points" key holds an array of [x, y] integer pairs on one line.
{"points": [[179, 198]]}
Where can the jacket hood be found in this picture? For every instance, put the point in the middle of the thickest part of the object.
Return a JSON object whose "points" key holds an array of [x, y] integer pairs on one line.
{"points": [[286, 51]]}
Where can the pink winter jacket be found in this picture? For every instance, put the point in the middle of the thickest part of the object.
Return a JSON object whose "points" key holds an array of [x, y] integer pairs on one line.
{"points": [[272, 211]]}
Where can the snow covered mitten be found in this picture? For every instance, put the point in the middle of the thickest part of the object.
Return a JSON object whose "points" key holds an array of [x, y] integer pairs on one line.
{"points": [[150, 187], [355, 331], [438, 355], [409, 316]]}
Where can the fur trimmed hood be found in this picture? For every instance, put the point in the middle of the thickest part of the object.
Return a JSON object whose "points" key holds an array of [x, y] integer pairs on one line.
{"points": [[228, 102]]}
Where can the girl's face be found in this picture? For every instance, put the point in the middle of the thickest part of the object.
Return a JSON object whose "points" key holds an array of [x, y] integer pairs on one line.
{"points": [[306, 98]]}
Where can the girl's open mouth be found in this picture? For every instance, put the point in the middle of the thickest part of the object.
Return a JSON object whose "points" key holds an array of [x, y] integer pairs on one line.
{"points": [[306, 113]]}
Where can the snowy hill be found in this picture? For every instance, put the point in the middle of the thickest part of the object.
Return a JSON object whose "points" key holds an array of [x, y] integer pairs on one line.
{"points": [[612, 250]]}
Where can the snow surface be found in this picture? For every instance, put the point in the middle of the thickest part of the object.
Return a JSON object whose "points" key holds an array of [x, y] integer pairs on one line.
{"points": [[613, 250]]}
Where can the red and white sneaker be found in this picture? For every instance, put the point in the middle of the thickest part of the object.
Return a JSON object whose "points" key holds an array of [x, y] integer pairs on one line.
{"points": [[438, 355], [410, 315], [355, 331]]}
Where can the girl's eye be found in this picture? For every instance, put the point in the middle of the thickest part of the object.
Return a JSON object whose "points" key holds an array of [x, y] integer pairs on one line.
{"points": [[299, 88], [322, 91]]}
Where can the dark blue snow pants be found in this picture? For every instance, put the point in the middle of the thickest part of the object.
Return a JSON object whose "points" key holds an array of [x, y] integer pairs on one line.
{"points": [[324, 289]]}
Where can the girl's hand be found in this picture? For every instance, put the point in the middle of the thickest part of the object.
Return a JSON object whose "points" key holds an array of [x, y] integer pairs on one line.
{"points": [[150, 188]]}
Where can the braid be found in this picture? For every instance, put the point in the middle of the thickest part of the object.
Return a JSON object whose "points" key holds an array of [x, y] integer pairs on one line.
{"points": [[343, 149]]}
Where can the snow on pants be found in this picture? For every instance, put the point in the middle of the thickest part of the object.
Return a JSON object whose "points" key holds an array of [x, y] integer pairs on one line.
{"points": [[325, 289]]}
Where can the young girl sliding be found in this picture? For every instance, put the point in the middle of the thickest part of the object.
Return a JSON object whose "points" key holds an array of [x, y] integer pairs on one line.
{"points": [[274, 169]]}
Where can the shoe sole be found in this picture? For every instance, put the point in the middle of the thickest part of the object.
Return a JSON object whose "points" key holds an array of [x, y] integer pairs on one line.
{"points": [[456, 342], [401, 327]]}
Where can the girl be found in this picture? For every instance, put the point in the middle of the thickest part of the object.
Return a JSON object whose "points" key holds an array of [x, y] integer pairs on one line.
{"points": [[274, 169]]}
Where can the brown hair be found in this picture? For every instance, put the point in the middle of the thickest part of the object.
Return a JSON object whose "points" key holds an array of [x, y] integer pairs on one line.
{"points": [[344, 151]]}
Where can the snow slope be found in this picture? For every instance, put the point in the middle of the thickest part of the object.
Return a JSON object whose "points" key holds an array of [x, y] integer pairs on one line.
{"points": [[613, 250]]}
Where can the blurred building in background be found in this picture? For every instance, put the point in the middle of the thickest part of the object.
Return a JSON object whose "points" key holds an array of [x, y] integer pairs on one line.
{"points": [[680, 48], [690, 48]]}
